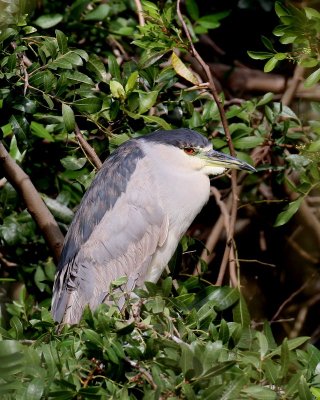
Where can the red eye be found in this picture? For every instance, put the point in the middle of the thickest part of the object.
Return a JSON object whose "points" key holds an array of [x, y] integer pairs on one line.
{"points": [[189, 150]]}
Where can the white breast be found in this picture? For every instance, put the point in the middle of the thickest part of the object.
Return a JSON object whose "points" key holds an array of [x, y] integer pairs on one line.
{"points": [[183, 189]]}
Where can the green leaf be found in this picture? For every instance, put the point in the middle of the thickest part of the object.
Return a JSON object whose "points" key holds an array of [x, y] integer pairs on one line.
{"points": [[157, 120], [11, 358], [132, 81], [99, 13], [146, 100], [284, 359], [150, 57], [40, 131], [34, 389], [19, 126], [73, 163], [14, 150], [120, 281], [114, 69], [316, 392], [96, 66], [292, 344], [193, 9], [241, 312], [280, 10], [48, 21], [260, 55], [224, 333], [66, 61], [182, 70], [312, 79], [150, 8], [267, 42], [62, 41], [260, 393], [280, 56], [88, 105], [271, 370], [68, 117], [287, 214], [313, 147], [232, 391], [117, 90], [303, 390], [93, 337], [248, 142], [270, 65], [39, 279], [186, 359], [265, 99], [311, 13], [263, 344], [215, 371], [60, 211], [78, 77]]}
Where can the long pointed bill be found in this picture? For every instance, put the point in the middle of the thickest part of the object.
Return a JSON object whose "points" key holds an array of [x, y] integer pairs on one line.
{"points": [[217, 159]]}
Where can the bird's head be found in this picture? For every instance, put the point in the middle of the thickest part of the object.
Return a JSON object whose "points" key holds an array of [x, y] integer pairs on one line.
{"points": [[189, 149]]}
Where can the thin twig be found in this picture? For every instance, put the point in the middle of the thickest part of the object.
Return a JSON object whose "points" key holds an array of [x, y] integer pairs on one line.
{"points": [[234, 268], [143, 372], [289, 299], [87, 149]]}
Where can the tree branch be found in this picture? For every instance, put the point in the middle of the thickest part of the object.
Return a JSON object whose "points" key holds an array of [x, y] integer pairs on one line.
{"points": [[292, 88], [212, 87], [35, 205], [140, 12], [87, 149]]}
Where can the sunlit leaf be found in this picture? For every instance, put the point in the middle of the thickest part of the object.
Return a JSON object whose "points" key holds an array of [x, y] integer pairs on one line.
{"points": [[313, 78], [68, 117], [182, 70], [270, 65], [117, 90], [48, 21]]}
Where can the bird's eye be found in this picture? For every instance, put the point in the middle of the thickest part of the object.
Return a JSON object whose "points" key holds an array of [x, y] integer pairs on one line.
{"points": [[189, 150]]}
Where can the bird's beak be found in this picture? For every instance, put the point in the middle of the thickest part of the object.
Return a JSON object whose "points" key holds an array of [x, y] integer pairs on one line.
{"points": [[217, 159]]}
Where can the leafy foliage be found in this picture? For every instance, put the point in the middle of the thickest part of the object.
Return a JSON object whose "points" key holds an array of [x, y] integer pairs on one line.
{"points": [[299, 28], [197, 342], [182, 347]]}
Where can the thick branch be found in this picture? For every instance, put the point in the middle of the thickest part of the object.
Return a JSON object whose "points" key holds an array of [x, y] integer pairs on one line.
{"points": [[35, 205]]}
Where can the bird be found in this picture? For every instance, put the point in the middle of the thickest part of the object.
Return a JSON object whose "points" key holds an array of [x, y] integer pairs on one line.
{"points": [[133, 215]]}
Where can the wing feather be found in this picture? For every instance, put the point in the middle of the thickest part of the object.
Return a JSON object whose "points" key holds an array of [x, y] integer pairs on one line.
{"points": [[121, 244]]}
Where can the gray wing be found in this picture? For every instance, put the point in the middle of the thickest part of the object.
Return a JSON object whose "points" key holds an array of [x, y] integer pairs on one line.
{"points": [[122, 243]]}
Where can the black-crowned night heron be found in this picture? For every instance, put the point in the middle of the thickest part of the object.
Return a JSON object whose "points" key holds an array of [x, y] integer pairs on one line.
{"points": [[130, 220]]}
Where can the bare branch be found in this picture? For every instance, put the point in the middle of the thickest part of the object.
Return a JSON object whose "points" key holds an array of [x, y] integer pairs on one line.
{"points": [[292, 88], [289, 299], [140, 12], [35, 205]]}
